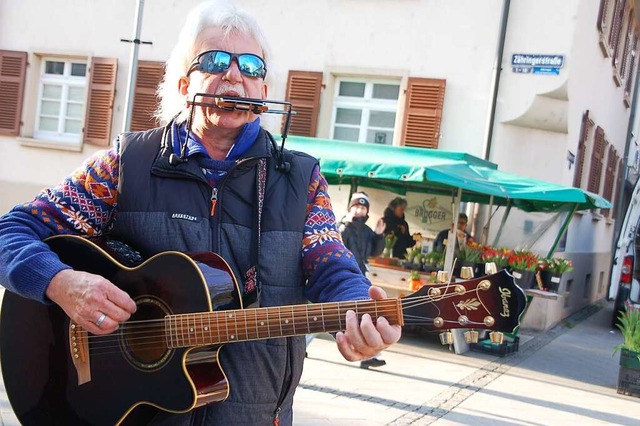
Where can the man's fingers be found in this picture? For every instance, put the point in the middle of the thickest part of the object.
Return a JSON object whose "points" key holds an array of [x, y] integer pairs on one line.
{"points": [[346, 349], [377, 293], [114, 311], [353, 329], [370, 333], [121, 299], [389, 334]]}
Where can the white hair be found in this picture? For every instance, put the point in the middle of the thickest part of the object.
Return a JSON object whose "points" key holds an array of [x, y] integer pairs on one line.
{"points": [[220, 14]]}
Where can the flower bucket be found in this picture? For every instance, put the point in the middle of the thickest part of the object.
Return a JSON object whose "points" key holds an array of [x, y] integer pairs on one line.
{"points": [[550, 281], [525, 279], [629, 374]]}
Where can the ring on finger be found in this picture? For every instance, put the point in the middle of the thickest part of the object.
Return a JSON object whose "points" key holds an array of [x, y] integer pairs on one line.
{"points": [[101, 319]]}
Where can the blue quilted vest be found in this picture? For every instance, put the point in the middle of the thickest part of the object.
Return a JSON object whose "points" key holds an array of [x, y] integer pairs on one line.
{"points": [[167, 207]]}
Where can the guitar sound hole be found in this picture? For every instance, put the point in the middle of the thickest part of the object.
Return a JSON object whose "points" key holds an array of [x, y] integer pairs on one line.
{"points": [[143, 337]]}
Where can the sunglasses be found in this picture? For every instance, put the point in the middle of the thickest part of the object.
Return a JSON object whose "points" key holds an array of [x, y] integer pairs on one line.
{"points": [[218, 61]]}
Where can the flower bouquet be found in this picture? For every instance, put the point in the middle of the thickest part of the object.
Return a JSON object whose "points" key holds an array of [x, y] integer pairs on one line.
{"points": [[524, 267]]}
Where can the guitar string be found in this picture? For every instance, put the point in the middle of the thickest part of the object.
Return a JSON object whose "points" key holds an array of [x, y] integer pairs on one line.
{"points": [[331, 323], [308, 311], [159, 322]]}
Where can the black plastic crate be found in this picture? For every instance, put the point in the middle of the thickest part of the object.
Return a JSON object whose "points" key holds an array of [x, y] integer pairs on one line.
{"points": [[508, 346], [629, 381]]}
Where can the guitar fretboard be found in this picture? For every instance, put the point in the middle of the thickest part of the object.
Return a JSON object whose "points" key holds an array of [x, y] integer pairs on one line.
{"points": [[208, 328]]}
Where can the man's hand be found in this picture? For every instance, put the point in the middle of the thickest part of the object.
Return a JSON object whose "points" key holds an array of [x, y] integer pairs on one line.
{"points": [[365, 340], [380, 226], [85, 297]]}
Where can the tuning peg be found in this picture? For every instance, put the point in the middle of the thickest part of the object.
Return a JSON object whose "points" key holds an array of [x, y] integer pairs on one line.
{"points": [[442, 277], [466, 272], [496, 337], [490, 268], [446, 338], [471, 336]]}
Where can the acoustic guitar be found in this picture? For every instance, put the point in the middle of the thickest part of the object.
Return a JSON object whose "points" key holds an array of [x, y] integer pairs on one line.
{"points": [[56, 373]]}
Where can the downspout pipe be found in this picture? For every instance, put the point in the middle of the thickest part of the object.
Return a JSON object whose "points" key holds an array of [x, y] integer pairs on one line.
{"points": [[495, 81]]}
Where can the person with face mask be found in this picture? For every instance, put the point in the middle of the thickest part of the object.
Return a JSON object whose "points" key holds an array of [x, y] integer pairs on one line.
{"points": [[356, 234]]}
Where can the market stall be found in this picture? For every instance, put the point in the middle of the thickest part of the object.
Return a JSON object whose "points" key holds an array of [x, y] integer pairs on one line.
{"points": [[460, 176]]}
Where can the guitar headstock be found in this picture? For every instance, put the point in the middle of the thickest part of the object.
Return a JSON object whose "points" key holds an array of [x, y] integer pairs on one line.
{"points": [[492, 302]]}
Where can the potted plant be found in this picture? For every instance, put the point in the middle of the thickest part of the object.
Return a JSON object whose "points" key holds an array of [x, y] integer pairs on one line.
{"points": [[524, 266], [433, 261], [470, 255], [389, 241], [499, 256], [551, 271], [629, 373], [415, 283]]}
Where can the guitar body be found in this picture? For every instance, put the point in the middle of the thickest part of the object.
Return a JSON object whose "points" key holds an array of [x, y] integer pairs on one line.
{"points": [[126, 372]]}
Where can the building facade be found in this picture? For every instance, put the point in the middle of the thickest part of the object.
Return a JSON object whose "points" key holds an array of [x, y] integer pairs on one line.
{"points": [[542, 88]]}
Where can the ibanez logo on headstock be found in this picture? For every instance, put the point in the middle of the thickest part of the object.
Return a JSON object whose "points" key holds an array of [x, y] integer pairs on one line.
{"points": [[505, 295]]}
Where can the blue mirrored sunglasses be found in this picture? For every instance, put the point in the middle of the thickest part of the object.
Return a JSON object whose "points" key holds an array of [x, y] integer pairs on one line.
{"points": [[218, 61]]}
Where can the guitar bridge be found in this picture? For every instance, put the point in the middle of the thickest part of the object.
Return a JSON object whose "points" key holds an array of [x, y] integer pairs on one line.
{"points": [[79, 350]]}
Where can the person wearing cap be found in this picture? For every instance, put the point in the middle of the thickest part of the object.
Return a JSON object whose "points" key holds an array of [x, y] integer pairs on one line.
{"points": [[363, 242]]}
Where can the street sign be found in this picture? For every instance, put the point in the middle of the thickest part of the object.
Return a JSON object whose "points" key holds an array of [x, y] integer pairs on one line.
{"points": [[523, 63]]}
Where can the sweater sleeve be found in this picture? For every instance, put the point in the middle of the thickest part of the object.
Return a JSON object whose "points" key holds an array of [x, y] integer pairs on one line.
{"points": [[84, 203], [332, 272]]}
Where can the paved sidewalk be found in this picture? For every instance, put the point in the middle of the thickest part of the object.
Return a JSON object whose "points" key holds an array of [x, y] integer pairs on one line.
{"points": [[564, 376]]}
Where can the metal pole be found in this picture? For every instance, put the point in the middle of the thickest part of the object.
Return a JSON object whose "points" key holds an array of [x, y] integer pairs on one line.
{"points": [[452, 237], [502, 223], [133, 70], [495, 81], [565, 225]]}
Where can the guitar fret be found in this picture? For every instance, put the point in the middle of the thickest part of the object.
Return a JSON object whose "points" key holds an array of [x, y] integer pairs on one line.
{"points": [[308, 325], [280, 319], [209, 325], [217, 315], [293, 320], [246, 326], [266, 311], [339, 317], [184, 342]]}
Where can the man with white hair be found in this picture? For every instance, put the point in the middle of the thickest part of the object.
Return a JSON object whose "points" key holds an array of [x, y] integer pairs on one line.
{"points": [[211, 179]]}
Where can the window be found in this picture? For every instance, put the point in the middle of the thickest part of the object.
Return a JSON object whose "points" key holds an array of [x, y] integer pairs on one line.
{"points": [[61, 100], [365, 111]]}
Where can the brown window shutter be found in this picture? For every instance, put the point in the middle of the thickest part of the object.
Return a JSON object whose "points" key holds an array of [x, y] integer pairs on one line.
{"points": [[609, 176], [585, 129], [602, 15], [102, 88], [303, 91], [620, 172], [145, 101], [423, 112], [628, 39], [13, 67], [616, 29], [595, 171], [633, 59]]}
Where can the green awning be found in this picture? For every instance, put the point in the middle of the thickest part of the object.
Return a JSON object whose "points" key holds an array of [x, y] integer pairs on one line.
{"points": [[402, 169]]}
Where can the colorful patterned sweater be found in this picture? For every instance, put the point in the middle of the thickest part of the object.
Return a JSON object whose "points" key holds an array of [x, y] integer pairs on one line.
{"points": [[86, 203]]}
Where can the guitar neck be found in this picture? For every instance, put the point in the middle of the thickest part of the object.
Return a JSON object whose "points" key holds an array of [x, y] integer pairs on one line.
{"points": [[209, 328]]}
